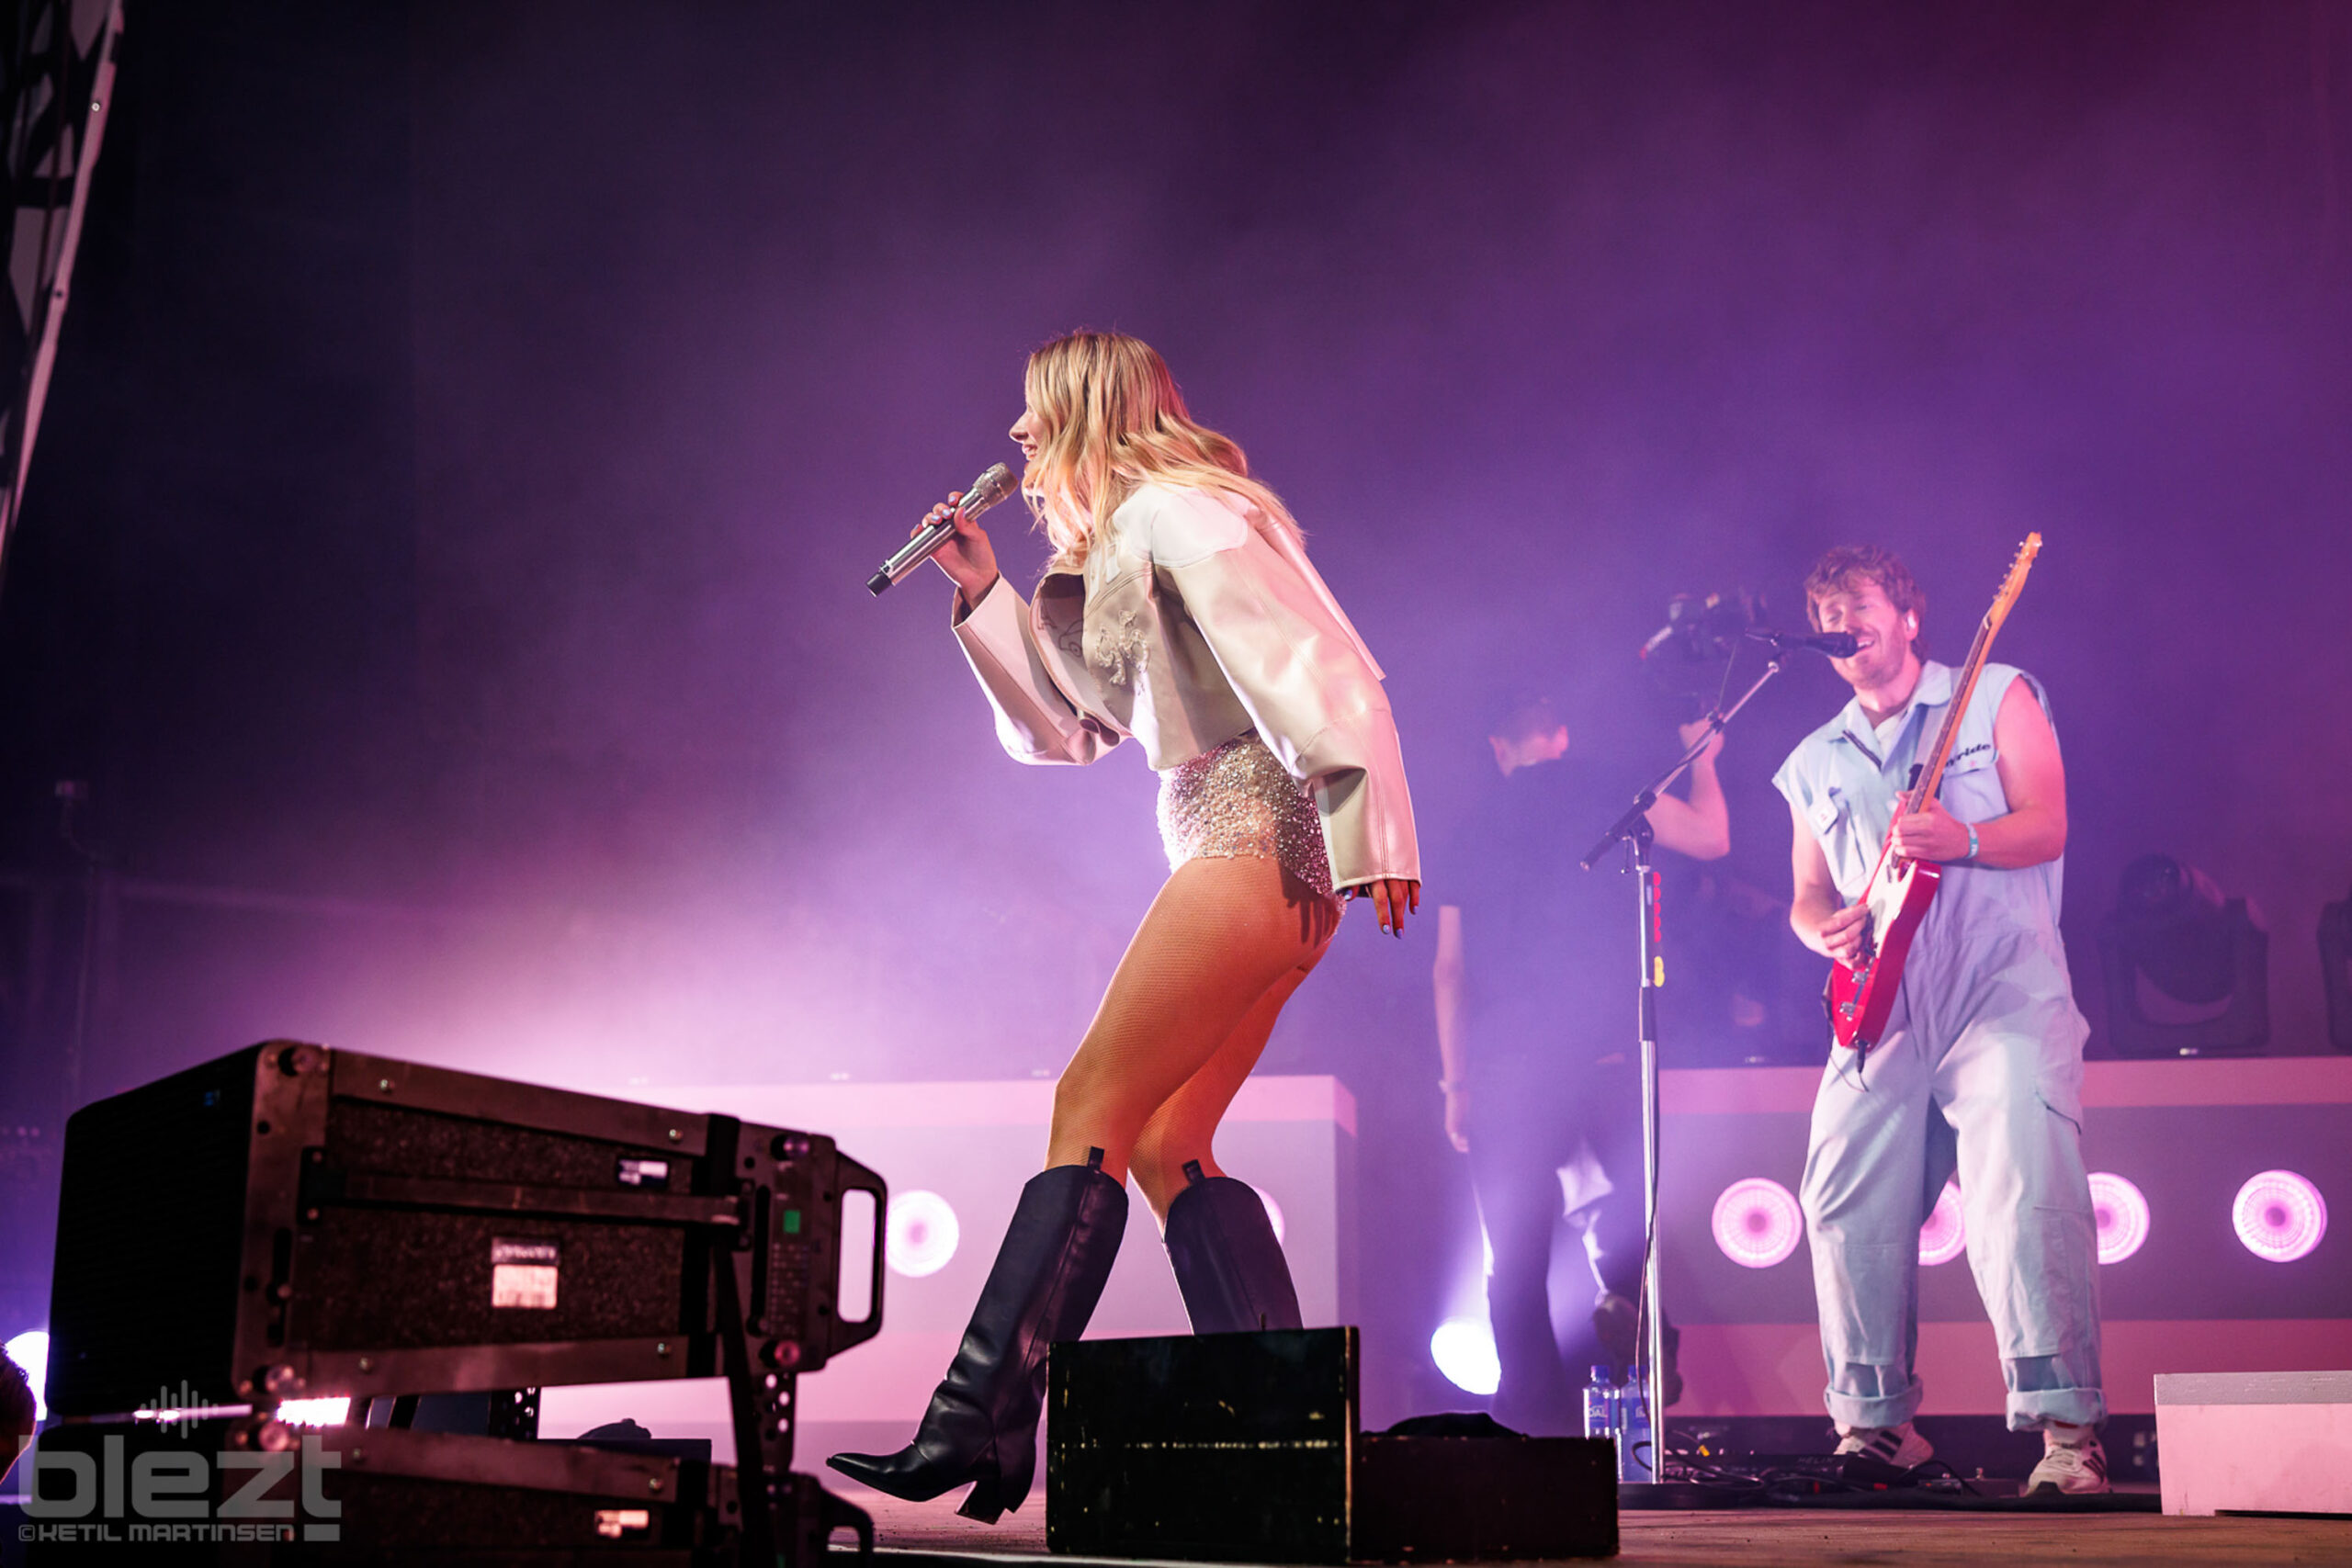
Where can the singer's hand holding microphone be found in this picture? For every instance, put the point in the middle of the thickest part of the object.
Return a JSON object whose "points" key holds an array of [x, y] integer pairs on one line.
{"points": [[968, 556], [951, 535]]}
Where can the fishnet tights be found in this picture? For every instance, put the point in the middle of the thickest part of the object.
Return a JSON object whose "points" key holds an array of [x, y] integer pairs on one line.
{"points": [[1187, 1012]]}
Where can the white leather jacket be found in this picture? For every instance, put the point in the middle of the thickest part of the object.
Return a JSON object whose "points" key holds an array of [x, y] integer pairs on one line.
{"points": [[1196, 619]]}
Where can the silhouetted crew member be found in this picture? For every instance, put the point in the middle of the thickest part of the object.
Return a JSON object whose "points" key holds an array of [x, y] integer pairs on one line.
{"points": [[1535, 978]]}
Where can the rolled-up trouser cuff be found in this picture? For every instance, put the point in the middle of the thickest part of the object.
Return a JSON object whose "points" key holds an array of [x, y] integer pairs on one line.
{"points": [[2075, 1406], [2065, 1388], [1861, 1395]]}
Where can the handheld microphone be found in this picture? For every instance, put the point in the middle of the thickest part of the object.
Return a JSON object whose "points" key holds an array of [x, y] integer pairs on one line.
{"points": [[1836, 645], [987, 491]]}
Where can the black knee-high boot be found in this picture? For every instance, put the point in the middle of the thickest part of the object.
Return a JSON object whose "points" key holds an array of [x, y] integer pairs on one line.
{"points": [[1228, 1265], [982, 1424]]}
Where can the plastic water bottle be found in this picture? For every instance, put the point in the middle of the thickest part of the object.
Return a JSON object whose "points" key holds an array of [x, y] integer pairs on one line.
{"points": [[1601, 1405], [1637, 1457]]}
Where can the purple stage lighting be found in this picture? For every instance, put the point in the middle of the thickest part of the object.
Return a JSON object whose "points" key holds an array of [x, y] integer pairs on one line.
{"points": [[2122, 1216], [1273, 1212], [2280, 1215], [1464, 1349], [1758, 1222], [30, 1350], [923, 1234], [1945, 1235]]}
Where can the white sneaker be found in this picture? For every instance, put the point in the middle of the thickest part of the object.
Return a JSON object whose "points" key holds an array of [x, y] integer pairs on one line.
{"points": [[1901, 1447], [2074, 1464]]}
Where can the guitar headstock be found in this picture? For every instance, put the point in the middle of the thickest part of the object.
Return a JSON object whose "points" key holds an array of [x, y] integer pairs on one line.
{"points": [[2013, 584]]}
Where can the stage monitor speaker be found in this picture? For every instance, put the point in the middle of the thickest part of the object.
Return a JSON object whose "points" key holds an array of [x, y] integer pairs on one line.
{"points": [[253, 1489], [1244, 1448], [292, 1221]]}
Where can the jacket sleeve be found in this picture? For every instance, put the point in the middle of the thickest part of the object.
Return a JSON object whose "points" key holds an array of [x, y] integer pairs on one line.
{"points": [[1036, 722], [1302, 674]]}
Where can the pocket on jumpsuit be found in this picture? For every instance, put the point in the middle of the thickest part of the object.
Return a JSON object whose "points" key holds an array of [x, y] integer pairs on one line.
{"points": [[2036, 977]]}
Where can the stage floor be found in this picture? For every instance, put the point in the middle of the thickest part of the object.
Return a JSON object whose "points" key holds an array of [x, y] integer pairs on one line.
{"points": [[1756, 1537]]}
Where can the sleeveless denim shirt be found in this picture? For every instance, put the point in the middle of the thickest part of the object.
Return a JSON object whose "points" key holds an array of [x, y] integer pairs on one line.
{"points": [[1844, 781]]}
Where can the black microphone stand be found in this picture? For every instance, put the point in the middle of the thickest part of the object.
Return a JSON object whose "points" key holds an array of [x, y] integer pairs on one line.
{"points": [[1632, 829]]}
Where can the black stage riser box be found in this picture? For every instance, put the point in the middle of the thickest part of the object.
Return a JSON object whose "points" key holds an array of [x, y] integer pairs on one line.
{"points": [[295, 1222], [1243, 1447]]}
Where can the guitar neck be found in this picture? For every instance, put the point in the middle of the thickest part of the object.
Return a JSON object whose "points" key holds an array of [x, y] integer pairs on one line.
{"points": [[1964, 687], [1930, 775]]}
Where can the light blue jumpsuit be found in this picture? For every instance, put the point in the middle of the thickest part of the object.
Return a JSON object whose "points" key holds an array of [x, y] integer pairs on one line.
{"points": [[1980, 1067]]}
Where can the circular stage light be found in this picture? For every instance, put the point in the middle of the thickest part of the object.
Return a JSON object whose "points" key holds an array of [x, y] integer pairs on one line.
{"points": [[2280, 1216], [1758, 1222], [1464, 1349], [1273, 1213], [1945, 1235], [2122, 1216], [923, 1234], [30, 1350]]}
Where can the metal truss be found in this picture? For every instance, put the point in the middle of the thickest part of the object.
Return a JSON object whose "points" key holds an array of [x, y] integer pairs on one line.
{"points": [[60, 60]]}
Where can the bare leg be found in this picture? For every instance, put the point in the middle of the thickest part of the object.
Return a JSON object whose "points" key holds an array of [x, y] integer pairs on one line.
{"points": [[1195, 997], [1184, 1126], [1186, 1015]]}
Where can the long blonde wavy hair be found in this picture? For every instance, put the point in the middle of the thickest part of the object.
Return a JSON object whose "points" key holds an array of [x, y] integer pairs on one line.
{"points": [[1109, 418]]}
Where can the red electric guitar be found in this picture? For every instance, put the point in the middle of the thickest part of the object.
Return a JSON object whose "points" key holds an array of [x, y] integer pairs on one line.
{"points": [[1860, 995]]}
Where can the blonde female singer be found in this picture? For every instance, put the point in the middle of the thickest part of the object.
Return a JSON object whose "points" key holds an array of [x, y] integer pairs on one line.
{"points": [[1180, 610]]}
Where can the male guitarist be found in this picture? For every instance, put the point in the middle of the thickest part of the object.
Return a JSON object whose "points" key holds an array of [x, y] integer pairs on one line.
{"points": [[1980, 1066]]}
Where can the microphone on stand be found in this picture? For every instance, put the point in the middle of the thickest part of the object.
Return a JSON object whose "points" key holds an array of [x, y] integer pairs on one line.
{"points": [[1706, 627], [1686, 616], [1836, 645], [987, 491]]}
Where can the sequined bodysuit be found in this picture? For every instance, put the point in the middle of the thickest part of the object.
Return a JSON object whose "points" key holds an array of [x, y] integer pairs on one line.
{"points": [[1237, 800]]}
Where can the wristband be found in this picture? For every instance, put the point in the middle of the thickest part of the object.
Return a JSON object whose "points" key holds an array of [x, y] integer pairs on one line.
{"points": [[1972, 841]]}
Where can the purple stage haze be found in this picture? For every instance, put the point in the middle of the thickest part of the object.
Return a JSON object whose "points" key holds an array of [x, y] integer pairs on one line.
{"points": [[1536, 315], [446, 556]]}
